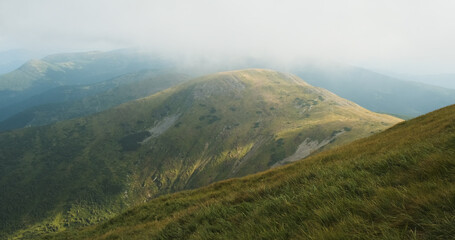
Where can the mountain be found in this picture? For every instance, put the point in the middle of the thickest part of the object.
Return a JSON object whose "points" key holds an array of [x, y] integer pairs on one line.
{"points": [[14, 58], [397, 184], [374, 91], [38, 76], [82, 171], [383, 93], [21, 88], [441, 80], [68, 102]]}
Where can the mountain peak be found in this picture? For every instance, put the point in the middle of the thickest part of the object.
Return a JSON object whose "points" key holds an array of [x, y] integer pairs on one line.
{"points": [[257, 76]]}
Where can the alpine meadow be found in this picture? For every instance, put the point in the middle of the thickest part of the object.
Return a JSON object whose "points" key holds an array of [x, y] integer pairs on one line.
{"points": [[227, 119]]}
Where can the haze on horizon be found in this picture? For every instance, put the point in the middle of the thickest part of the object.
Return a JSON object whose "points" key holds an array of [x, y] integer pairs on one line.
{"points": [[404, 36]]}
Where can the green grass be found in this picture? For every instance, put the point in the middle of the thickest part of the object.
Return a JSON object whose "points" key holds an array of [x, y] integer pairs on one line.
{"points": [[398, 184], [82, 171]]}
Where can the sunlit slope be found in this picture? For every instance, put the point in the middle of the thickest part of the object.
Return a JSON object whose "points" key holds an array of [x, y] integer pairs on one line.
{"points": [[224, 125], [398, 184]]}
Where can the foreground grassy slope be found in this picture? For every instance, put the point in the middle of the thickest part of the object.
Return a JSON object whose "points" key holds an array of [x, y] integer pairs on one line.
{"points": [[79, 172], [398, 184]]}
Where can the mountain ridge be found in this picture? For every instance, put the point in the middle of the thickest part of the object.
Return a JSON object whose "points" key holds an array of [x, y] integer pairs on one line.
{"points": [[37, 76], [375, 91], [219, 126]]}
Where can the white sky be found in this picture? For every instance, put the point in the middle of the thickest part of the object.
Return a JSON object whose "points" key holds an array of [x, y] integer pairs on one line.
{"points": [[409, 36]]}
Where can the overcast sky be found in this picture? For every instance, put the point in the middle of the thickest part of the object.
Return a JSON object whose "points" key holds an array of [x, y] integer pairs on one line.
{"points": [[397, 35]]}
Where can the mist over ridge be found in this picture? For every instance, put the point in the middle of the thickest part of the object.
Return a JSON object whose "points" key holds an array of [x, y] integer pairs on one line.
{"points": [[402, 36]]}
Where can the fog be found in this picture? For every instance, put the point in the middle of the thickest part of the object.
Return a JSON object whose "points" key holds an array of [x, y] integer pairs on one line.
{"points": [[405, 36]]}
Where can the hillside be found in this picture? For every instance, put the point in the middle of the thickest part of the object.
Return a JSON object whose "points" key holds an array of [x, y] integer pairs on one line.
{"points": [[442, 80], [68, 102], [14, 58], [82, 171], [37, 76], [398, 184], [376, 92]]}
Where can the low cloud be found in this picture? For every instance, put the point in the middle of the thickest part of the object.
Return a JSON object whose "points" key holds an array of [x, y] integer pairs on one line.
{"points": [[407, 36]]}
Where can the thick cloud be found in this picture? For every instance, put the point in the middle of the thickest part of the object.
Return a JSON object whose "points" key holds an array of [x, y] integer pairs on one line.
{"points": [[396, 35]]}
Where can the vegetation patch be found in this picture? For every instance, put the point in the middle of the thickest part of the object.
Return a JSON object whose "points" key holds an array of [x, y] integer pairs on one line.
{"points": [[132, 142], [209, 118], [278, 152]]}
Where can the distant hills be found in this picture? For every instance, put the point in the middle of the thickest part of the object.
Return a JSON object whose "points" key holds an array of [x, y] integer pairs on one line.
{"points": [[37, 76], [12, 59], [376, 92], [78, 172], [398, 184], [68, 102], [442, 80], [50, 84]]}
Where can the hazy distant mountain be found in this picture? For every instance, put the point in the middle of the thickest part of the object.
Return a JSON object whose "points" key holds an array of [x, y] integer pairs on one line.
{"points": [[377, 92], [38, 76], [441, 80], [12, 59], [75, 101], [398, 184], [371, 90], [229, 124]]}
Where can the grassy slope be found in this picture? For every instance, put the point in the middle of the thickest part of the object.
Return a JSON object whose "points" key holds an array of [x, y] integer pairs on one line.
{"points": [[79, 172], [398, 184]]}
